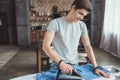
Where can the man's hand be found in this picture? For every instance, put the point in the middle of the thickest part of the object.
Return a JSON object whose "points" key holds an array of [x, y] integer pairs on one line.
{"points": [[66, 68], [100, 72]]}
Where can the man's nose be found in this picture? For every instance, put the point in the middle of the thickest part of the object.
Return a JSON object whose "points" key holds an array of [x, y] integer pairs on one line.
{"points": [[81, 17]]}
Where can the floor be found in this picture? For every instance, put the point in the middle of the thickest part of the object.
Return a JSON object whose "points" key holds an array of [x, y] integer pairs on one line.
{"points": [[7, 52], [24, 62]]}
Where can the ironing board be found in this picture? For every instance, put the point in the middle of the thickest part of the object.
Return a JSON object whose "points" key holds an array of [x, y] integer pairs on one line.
{"points": [[114, 76]]}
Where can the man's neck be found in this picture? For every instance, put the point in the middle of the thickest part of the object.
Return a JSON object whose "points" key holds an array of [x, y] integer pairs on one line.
{"points": [[70, 18]]}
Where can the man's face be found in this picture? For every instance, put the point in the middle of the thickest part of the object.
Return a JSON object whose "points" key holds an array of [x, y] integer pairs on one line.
{"points": [[80, 14]]}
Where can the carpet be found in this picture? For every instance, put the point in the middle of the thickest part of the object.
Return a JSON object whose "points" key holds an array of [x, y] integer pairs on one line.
{"points": [[7, 52]]}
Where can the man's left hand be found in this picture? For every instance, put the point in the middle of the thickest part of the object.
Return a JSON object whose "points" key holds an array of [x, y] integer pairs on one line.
{"points": [[100, 72]]}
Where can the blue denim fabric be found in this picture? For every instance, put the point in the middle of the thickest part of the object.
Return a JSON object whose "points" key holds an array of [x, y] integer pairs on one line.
{"points": [[86, 71], [48, 75]]}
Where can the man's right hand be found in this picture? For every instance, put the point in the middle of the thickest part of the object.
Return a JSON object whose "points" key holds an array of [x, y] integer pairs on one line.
{"points": [[66, 68]]}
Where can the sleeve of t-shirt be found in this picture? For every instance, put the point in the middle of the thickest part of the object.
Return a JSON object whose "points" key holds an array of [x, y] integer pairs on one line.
{"points": [[84, 29], [52, 26]]}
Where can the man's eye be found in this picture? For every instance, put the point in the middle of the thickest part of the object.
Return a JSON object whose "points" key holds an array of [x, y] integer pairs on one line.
{"points": [[80, 13]]}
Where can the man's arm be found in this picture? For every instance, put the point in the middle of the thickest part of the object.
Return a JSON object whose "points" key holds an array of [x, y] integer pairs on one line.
{"points": [[66, 68], [47, 46], [89, 50]]}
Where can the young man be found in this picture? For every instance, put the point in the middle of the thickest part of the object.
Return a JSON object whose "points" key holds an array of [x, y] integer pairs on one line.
{"points": [[64, 34]]}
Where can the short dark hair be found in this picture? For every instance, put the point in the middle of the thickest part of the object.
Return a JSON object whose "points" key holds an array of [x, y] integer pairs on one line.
{"points": [[83, 4]]}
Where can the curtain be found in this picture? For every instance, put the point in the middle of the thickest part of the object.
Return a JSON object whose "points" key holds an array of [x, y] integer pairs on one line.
{"points": [[110, 39]]}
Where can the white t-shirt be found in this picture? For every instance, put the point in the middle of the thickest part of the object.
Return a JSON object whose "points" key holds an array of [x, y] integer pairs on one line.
{"points": [[66, 38]]}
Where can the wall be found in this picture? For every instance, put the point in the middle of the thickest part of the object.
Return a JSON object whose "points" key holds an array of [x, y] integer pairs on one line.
{"points": [[94, 21], [46, 5], [101, 19], [22, 21], [97, 17], [8, 6]]}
